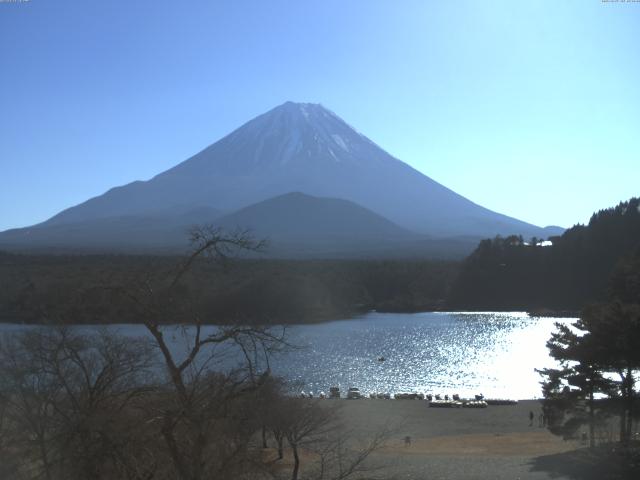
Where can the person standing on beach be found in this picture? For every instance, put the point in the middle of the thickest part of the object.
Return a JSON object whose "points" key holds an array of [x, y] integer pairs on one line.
{"points": [[531, 416]]}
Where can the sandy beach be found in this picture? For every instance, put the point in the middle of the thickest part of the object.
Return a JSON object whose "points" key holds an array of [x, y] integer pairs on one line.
{"points": [[458, 443], [496, 442]]}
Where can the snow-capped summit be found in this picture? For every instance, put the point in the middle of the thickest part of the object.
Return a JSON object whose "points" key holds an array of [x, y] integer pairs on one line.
{"points": [[288, 136]]}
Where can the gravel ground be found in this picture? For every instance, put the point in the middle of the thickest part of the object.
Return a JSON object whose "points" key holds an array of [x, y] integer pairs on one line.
{"points": [[493, 443]]}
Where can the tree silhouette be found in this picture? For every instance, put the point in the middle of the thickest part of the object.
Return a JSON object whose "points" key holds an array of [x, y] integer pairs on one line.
{"points": [[506, 273], [599, 354]]}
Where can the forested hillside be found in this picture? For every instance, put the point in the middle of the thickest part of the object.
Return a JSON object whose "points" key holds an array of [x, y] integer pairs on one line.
{"points": [[511, 273], [80, 289]]}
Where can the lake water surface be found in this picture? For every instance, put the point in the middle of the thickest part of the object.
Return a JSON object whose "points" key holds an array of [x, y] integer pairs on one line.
{"points": [[466, 353]]}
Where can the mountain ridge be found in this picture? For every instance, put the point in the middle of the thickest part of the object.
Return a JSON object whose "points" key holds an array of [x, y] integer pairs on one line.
{"points": [[295, 225], [300, 147]]}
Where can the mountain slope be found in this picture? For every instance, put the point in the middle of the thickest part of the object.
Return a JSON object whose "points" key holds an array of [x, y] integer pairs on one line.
{"points": [[303, 148], [300, 216], [299, 225], [154, 231], [295, 225]]}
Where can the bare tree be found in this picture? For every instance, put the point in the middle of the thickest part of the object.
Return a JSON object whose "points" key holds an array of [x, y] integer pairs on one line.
{"points": [[307, 423], [197, 405], [341, 455], [66, 396], [315, 427], [275, 418]]}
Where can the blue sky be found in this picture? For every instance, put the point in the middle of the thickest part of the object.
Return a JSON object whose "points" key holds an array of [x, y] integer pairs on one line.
{"points": [[531, 109]]}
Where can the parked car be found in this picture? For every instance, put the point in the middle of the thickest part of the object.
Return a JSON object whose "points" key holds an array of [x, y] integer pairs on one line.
{"points": [[354, 393], [334, 392]]}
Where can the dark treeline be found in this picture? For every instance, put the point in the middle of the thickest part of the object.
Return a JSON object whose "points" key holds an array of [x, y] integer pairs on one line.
{"points": [[74, 289], [514, 273]]}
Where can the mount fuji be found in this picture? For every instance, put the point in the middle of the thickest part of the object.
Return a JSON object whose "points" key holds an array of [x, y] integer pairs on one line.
{"points": [[295, 147]]}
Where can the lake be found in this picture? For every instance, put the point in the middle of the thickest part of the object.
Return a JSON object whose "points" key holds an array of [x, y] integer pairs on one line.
{"points": [[494, 353]]}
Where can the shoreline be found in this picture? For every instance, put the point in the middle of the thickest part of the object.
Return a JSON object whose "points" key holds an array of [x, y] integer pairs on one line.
{"points": [[531, 313]]}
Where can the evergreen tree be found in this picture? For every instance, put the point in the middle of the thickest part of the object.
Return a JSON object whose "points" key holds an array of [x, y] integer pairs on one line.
{"points": [[598, 354]]}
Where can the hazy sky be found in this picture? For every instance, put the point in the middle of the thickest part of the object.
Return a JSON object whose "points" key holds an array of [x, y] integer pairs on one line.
{"points": [[531, 108]]}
